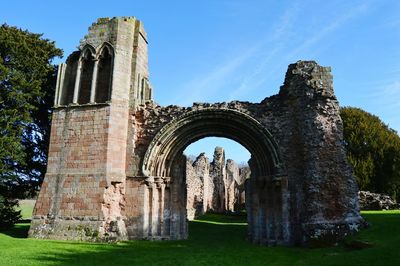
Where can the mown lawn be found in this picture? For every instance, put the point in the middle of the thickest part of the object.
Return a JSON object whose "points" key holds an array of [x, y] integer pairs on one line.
{"points": [[26, 207], [214, 240]]}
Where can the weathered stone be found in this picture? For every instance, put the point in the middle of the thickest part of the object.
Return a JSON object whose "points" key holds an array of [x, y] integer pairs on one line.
{"points": [[116, 168], [206, 185], [231, 175], [217, 186], [197, 183], [376, 201], [240, 185]]}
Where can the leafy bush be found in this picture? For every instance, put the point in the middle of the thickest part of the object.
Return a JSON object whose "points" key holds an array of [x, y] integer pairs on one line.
{"points": [[8, 214]]}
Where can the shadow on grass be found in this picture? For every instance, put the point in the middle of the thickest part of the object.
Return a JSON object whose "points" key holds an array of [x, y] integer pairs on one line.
{"points": [[221, 240], [214, 239], [228, 219], [19, 230], [207, 244]]}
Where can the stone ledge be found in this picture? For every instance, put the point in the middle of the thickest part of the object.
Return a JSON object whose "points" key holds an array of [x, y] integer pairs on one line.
{"points": [[72, 106]]}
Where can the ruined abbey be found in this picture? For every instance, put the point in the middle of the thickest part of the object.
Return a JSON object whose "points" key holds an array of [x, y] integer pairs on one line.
{"points": [[116, 169], [217, 186]]}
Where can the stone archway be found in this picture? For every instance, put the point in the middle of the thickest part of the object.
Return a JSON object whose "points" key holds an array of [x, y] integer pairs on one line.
{"points": [[266, 191]]}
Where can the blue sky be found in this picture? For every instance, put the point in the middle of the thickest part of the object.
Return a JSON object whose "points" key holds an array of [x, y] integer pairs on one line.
{"points": [[213, 51]]}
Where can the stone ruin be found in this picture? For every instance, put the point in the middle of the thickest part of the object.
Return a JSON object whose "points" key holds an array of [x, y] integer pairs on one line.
{"points": [[376, 201], [216, 186], [116, 169]]}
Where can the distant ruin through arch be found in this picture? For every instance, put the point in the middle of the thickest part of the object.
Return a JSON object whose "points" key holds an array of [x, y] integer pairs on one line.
{"points": [[115, 169]]}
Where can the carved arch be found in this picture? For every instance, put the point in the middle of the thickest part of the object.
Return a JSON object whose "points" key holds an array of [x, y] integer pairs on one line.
{"points": [[174, 137], [87, 65], [87, 48]]}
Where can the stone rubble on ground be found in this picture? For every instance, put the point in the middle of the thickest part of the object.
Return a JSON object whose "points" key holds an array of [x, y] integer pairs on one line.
{"points": [[376, 201]]}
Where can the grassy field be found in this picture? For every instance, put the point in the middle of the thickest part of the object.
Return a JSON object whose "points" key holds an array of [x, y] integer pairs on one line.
{"points": [[26, 207], [214, 240]]}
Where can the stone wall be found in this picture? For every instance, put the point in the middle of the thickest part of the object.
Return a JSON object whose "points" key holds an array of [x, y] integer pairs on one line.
{"points": [[214, 187]]}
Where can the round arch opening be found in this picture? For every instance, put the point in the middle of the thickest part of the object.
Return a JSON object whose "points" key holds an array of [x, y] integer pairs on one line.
{"points": [[166, 149], [164, 163]]}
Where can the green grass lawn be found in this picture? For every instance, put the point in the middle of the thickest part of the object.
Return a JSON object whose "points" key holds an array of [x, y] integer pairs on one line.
{"points": [[26, 207], [214, 240]]}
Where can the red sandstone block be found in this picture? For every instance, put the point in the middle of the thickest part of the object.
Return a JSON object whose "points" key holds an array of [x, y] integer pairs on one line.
{"points": [[96, 198], [39, 212], [65, 200], [103, 183]]}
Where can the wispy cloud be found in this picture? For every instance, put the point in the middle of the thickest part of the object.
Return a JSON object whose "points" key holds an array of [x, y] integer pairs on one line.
{"points": [[277, 40], [205, 86], [383, 100], [253, 67], [278, 57], [387, 95], [201, 88], [390, 103], [326, 29]]}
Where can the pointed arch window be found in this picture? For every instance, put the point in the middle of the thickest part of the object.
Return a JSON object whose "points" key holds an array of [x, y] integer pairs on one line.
{"points": [[67, 92], [85, 83], [104, 75]]}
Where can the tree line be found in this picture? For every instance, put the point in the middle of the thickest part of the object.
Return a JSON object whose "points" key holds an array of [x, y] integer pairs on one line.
{"points": [[373, 149], [27, 85]]}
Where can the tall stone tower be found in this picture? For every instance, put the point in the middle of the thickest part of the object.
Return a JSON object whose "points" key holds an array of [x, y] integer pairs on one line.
{"points": [[96, 88], [111, 65]]}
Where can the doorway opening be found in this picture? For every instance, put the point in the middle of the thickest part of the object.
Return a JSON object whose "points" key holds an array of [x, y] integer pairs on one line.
{"points": [[216, 172]]}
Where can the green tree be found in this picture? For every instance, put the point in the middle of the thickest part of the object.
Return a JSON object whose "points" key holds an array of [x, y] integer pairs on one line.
{"points": [[373, 149], [27, 81]]}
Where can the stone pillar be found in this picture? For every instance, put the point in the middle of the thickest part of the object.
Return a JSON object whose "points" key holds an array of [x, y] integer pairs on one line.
{"points": [[154, 212], [164, 214], [217, 175], [77, 82], [60, 83], [166, 209], [94, 81], [161, 189]]}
